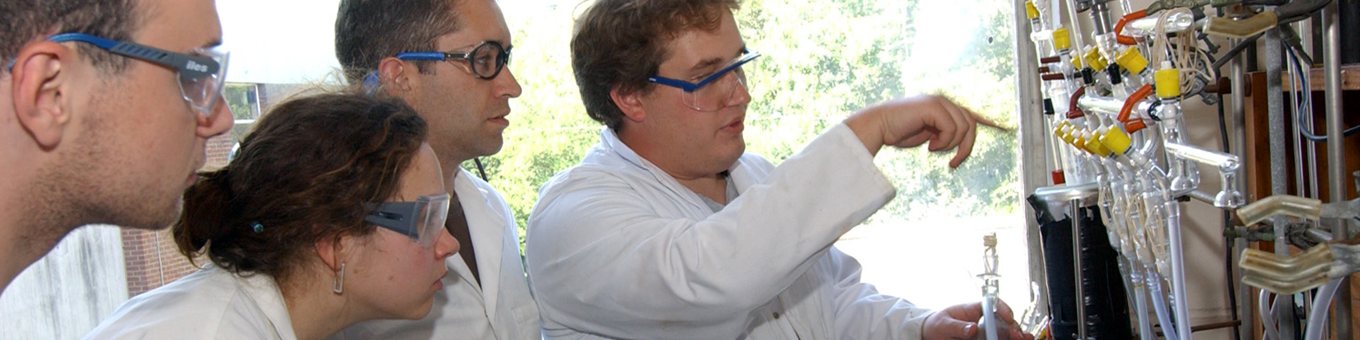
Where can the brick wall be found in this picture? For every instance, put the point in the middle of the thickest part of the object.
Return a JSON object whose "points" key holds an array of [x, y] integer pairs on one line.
{"points": [[151, 256], [152, 260]]}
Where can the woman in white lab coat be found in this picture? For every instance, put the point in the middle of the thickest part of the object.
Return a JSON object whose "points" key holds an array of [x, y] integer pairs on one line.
{"points": [[332, 213]]}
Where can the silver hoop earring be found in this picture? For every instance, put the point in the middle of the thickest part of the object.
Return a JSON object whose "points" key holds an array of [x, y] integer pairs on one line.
{"points": [[339, 286]]}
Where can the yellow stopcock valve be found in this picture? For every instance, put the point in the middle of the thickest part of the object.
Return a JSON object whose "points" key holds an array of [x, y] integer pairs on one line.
{"points": [[1068, 137], [1061, 39], [1065, 132], [1058, 130], [1132, 60], [1168, 81], [1031, 11], [1080, 142], [1096, 61], [1095, 146], [1116, 141]]}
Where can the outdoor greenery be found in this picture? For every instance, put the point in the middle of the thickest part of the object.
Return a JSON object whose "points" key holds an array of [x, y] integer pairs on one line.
{"points": [[823, 59]]}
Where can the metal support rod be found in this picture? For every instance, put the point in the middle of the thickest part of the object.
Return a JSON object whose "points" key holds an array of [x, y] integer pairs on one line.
{"points": [[1275, 119], [1100, 19], [1077, 41], [1033, 135], [1181, 303], [1336, 158], [1076, 264], [1238, 143]]}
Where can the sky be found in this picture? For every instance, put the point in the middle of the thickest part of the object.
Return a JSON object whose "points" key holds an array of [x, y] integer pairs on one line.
{"points": [[291, 42], [294, 40]]}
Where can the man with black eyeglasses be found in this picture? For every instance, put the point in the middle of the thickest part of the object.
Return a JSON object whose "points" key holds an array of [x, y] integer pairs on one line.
{"points": [[105, 107], [447, 59], [669, 230]]}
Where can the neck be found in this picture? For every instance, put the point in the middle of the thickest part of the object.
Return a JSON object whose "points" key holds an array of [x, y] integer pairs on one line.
{"points": [[450, 168], [13, 259], [22, 244], [450, 160], [315, 311], [708, 180], [31, 219], [27, 229], [714, 187]]}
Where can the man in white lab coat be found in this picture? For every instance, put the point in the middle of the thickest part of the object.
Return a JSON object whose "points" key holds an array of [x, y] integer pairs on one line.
{"points": [[667, 230], [447, 59], [105, 107]]}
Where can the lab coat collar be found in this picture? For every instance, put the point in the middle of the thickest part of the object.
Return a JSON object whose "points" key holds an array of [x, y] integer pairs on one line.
{"points": [[269, 297], [487, 229]]}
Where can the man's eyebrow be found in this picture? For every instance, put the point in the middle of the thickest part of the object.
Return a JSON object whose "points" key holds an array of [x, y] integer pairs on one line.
{"points": [[705, 64], [213, 43]]}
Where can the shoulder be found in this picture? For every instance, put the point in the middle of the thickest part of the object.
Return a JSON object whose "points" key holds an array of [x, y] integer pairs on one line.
{"points": [[595, 178], [206, 304]]}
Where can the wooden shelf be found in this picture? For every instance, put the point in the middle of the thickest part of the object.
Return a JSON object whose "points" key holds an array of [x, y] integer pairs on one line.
{"points": [[1350, 79]]}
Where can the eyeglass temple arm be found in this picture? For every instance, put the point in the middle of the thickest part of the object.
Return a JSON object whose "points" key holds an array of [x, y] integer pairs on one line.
{"points": [[152, 54], [427, 56]]}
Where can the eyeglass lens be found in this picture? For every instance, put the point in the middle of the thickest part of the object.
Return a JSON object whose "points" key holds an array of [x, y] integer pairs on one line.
{"points": [[488, 59], [436, 214], [716, 95], [201, 91]]}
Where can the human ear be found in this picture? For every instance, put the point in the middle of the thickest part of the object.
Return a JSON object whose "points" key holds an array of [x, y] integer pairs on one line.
{"points": [[332, 251], [630, 103], [39, 80], [392, 74]]}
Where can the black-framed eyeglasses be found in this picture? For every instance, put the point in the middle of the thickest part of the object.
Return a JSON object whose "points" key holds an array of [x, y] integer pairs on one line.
{"points": [[486, 60], [201, 76], [711, 92], [420, 220]]}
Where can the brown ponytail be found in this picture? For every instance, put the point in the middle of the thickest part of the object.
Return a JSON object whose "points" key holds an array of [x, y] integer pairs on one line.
{"points": [[303, 174]]}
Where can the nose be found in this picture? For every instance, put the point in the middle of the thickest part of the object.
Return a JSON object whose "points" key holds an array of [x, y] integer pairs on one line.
{"points": [[446, 245], [510, 89], [218, 121], [740, 95]]}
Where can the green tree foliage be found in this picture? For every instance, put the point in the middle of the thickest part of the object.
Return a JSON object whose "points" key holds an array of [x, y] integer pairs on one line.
{"points": [[823, 60], [237, 98]]}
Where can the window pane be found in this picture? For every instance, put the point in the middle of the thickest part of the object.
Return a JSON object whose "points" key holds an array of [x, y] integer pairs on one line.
{"points": [[823, 60]]}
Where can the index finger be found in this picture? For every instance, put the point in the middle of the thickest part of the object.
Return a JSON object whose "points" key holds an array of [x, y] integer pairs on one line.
{"points": [[984, 121]]}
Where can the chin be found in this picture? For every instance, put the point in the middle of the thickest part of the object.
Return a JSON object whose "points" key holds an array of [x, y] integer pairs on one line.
{"points": [[735, 153], [163, 218], [421, 312]]}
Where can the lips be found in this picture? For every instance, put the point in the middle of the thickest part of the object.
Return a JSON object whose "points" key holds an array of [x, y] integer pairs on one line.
{"points": [[736, 126], [439, 282]]}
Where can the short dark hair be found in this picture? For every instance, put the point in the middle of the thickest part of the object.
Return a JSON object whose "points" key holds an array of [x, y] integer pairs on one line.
{"points": [[366, 31], [620, 43], [305, 173], [24, 21]]}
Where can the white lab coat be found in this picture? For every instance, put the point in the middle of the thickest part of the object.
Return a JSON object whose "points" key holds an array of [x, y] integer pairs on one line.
{"points": [[619, 249], [211, 303], [500, 308]]}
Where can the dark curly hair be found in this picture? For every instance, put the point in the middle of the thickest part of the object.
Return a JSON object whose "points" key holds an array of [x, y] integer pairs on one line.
{"points": [[303, 174]]}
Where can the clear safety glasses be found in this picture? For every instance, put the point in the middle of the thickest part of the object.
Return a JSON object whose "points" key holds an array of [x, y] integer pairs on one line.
{"points": [[712, 92], [420, 220], [201, 75], [486, 60]]}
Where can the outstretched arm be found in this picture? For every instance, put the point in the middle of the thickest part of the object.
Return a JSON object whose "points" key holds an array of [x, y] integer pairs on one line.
{"points": [[909, 122]]}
